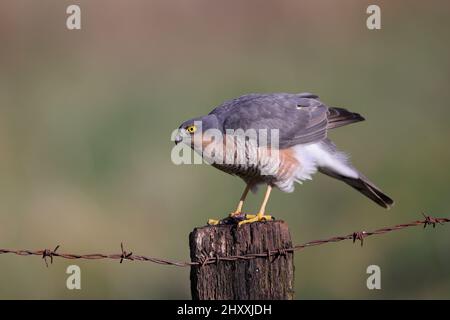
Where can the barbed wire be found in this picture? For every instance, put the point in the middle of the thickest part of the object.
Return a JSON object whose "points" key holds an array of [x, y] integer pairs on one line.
{"points": [[125, 255]]}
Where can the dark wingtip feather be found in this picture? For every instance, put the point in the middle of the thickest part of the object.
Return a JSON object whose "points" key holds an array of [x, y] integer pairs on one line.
{"points": [[338, 117]]}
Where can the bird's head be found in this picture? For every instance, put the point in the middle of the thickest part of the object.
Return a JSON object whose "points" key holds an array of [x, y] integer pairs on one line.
{"points": [[196, 126]]}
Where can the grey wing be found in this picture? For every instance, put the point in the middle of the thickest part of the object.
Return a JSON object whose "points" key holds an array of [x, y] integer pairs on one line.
{"points": [[300, 118]]}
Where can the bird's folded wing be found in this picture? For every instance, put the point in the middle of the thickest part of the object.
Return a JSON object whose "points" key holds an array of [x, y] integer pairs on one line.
{"points": [[300, 120]]}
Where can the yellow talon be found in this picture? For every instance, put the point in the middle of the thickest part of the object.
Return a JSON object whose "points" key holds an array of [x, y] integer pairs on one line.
{"points": [[250, 218], [235, 214], [213, 222]]}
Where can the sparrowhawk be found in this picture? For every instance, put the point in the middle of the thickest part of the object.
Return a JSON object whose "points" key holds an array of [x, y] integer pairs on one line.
{"points": [[301, 123]]}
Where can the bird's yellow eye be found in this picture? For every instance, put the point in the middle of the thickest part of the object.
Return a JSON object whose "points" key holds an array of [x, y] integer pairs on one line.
{"points": [[191, 129]]}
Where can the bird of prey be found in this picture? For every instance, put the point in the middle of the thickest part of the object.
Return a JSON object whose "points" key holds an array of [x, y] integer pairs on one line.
{"points": [[302, 122]]}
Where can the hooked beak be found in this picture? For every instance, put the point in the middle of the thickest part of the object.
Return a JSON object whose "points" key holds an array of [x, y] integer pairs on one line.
{"points": [[180, 136]]}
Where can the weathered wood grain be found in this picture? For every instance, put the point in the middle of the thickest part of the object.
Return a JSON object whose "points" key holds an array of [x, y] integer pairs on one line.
{"points": [[259, 278]]}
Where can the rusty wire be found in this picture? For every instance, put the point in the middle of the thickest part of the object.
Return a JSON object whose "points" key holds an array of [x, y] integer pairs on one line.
{"points": [[124, 255]]}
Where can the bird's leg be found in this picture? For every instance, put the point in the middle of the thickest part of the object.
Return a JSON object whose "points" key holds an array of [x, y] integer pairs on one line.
{"points": [[260, 216], [238, 210]]}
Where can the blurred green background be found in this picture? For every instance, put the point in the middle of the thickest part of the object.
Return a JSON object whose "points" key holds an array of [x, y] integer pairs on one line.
{"points": [[86, 117]]}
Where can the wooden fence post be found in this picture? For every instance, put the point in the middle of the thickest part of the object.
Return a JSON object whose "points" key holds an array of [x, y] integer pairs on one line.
{"points": [[259, 278]]}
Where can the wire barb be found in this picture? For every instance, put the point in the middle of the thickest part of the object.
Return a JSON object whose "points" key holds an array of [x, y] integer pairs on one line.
{"points": [[360, 235], [125, 255], [430, 221], [205, 258], [48, 253], [281, 252]]}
